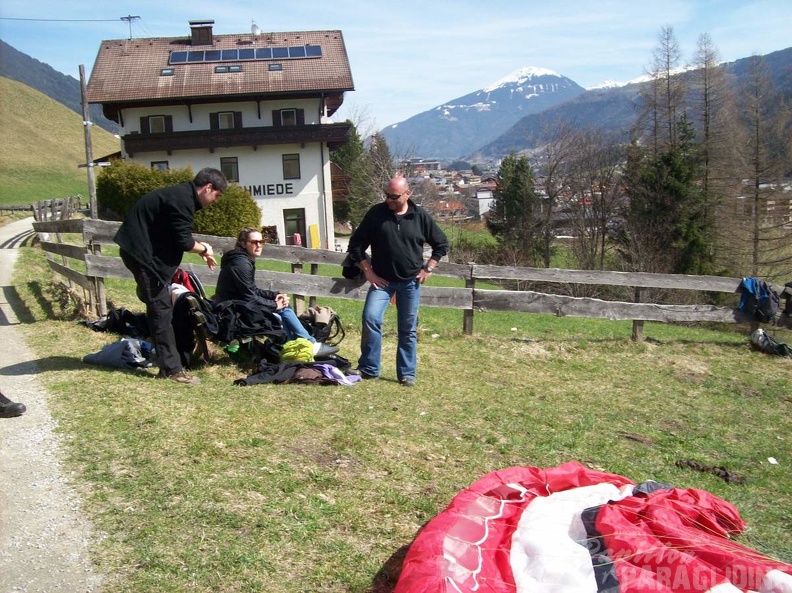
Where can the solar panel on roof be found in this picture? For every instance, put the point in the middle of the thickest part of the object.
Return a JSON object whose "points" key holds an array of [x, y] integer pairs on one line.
{"points": [[259, 53]]}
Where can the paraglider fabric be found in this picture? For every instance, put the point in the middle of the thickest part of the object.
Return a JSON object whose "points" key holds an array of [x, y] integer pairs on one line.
{"points": [[576, 530]]}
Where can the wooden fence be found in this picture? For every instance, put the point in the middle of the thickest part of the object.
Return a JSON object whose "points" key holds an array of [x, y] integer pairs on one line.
{"points": [[306, 285]]}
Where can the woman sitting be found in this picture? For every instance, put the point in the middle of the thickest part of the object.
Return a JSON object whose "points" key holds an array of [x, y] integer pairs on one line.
{"points": [[237, 282]]}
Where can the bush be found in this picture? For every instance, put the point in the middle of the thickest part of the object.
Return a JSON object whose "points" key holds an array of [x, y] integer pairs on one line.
{"points": [[123, 183], [235, 210]]}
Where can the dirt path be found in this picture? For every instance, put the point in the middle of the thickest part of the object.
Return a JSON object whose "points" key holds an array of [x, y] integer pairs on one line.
{"points": [[43, 536]]}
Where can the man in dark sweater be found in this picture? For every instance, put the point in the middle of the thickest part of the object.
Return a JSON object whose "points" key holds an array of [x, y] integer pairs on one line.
{"points": [[153, 239], [396, 231]]}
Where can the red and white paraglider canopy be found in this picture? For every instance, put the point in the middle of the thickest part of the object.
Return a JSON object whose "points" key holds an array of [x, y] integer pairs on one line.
{"points": [[576, 530]]}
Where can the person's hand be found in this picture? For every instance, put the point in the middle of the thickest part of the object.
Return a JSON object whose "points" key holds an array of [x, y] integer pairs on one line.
{"points": [[281, 301], [210, 260], [423, 276], [375, 280]]}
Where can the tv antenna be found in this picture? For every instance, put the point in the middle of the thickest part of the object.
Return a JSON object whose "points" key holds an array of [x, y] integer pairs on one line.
{"points": [[129, 18]]}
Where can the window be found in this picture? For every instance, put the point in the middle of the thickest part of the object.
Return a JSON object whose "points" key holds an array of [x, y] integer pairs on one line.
{"points": [[157, 124], [167, 72], [291, 166], [230, 168], [225, 120], [160, 165], [294, 224], [288, 117]]}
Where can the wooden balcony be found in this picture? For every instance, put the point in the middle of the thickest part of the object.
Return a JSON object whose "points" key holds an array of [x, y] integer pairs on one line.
{"points": [[333, 135]]}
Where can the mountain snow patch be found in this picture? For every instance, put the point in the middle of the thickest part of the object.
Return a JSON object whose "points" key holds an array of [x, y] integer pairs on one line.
{"points": [[520, 75]]}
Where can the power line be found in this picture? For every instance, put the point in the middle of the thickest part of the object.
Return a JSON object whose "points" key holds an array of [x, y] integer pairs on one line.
{"points": [[11, 18]]}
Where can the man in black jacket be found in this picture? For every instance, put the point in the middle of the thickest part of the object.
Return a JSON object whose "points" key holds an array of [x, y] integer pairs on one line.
{"points": [[153, 239], [396, 231]]}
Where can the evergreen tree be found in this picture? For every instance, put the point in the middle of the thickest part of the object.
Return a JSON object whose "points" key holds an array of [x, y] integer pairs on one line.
{"points": [[667, 230], [516, 218]]}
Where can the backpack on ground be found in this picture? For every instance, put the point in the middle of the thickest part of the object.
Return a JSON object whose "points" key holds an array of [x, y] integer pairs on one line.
{"points": [[758, 300], [763, 343], [324, 325]]}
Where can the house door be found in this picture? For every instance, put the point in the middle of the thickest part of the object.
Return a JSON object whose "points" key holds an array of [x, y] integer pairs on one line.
{"points": [[294, 225]]}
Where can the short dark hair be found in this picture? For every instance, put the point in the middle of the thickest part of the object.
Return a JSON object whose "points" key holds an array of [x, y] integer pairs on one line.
{"points": [[213, 176]]}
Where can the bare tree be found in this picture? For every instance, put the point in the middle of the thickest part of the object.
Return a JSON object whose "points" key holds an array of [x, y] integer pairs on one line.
{"points": [[663, 97], [594, 178], [767, 154]]}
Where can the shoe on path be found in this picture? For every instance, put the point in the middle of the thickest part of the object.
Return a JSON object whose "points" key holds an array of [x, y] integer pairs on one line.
{"points": [[9, 409]]}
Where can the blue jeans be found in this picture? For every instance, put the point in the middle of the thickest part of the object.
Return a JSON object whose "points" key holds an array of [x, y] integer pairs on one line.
{"points": [[408, 297], [292, 325]]}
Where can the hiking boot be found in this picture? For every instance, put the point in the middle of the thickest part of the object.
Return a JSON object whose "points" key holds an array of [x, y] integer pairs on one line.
{"points": [[320, 349], [366, 376], [407, 381], [9, 409], [183, 378]]}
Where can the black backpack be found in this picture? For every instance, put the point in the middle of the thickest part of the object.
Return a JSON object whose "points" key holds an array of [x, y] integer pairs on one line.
{"points": [[324, 325]]}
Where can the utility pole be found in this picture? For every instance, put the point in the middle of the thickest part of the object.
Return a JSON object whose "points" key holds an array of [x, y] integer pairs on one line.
{"points": [[89, 164], [129, 18]]}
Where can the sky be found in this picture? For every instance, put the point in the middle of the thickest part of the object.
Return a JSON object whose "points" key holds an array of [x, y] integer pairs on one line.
{"points": [[407, 56]]}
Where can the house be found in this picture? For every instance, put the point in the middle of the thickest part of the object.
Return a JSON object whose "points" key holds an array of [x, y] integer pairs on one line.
{"points": [[254, 105]]}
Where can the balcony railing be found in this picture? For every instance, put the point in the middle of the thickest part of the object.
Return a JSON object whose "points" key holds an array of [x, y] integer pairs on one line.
{"points": [[331, 134]]}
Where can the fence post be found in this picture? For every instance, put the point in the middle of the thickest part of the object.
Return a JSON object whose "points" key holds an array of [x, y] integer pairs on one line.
{"points": [[314, 272], [637, 327], [467, 316], [299, 299]]}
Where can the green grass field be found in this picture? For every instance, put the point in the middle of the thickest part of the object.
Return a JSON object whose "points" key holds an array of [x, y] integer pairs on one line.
{"points": [[285, 488]]}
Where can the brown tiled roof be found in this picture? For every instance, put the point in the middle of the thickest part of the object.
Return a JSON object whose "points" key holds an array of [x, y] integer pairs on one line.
{"points": [[128, 70]]}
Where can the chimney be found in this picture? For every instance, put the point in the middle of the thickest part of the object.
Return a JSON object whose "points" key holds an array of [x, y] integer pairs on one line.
{"points": [[201, 32]]}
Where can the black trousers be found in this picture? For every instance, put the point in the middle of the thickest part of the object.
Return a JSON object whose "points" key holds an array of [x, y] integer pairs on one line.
{"points": [[159, 314]]}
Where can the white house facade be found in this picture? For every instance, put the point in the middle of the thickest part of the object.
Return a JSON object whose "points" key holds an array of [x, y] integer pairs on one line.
{"points": [[255, 106]]}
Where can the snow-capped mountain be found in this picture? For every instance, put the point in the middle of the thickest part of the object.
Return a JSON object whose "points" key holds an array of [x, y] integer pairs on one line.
{"points": [[460, 126]]}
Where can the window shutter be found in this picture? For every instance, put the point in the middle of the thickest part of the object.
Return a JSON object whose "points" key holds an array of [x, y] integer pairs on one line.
{"points": [[214, 121], [144, 125], [169, 123], [237, 119], [301, 117], [276, 118]]}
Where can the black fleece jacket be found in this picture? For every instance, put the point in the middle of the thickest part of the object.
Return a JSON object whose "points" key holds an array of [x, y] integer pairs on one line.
{"points": [[158, 229], [397, 242], [237, 281]]}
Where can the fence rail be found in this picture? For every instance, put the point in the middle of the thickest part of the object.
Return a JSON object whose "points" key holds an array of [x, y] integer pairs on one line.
{"points": [[305, 283]]}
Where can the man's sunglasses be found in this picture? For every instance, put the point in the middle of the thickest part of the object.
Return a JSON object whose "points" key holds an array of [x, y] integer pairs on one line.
{"points": [[393, 196]]}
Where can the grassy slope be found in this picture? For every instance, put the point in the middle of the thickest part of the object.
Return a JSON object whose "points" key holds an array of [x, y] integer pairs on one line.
{"points": [[43, 142], [301, 488]]}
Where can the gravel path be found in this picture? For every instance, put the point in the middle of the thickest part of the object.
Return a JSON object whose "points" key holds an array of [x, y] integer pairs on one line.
{"points": [[44, 537]]}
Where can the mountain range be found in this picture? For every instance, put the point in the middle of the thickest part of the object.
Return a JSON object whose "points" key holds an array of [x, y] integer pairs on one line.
{"points": [[508, 116], [460, 126]]}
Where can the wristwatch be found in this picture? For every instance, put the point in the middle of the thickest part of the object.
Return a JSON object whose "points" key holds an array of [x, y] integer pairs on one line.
{"points": [[428, 267], [206, 249]]}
